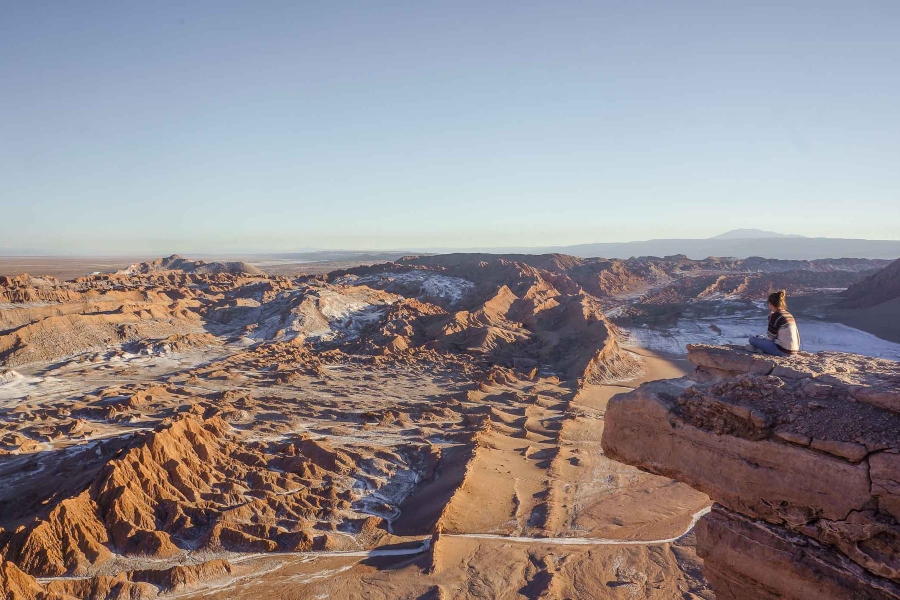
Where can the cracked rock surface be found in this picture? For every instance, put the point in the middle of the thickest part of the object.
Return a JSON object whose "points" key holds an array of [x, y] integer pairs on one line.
{"points": [[801, 455]]}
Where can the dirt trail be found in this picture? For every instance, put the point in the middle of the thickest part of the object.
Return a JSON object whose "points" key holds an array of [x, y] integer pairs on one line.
{"points": [[575, 541]]}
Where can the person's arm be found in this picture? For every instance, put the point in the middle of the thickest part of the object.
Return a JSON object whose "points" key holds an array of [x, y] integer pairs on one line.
{"points": [[772, 332]]}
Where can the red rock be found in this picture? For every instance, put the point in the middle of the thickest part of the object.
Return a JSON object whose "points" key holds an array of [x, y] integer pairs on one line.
{"points": [[808, 488], [746, 559]]}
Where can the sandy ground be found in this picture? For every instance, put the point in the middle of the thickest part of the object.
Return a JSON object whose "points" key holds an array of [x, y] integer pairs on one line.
{"points": [[527, 504], [544, 501], [64, 267], [71, 267], [291, 268], [473, 568]]}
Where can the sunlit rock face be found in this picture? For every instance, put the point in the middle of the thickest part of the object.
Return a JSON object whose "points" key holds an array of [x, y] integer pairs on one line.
{"points": [[801, 456]]}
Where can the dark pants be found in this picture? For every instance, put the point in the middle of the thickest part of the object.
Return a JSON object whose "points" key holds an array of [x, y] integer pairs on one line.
{"points": [[767, 346]]}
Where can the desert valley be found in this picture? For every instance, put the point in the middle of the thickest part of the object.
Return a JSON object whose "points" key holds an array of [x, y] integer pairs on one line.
{"points": [[450, 300], [429, 427]]}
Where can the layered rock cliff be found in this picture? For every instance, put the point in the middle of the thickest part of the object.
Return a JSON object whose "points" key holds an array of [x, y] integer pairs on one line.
{"points": [[801, 456]]}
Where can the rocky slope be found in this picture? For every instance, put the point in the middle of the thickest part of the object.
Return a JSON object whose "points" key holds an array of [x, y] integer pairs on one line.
{"points": [[636, 292], [190, 425], [200, 267], [131, 585], [801, 456], [878, 288], [536, 308], [510, 313], [187, 484], [605, 278]]}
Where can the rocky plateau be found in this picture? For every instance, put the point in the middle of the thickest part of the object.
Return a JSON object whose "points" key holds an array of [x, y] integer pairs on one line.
{"points": [[801, 456]]}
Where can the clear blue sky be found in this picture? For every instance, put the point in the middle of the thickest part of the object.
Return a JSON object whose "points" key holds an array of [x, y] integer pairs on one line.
{"points": [[219, 126]]}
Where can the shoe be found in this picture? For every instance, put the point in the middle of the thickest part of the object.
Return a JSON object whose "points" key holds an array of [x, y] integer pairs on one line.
{"points": [[752, 348]]}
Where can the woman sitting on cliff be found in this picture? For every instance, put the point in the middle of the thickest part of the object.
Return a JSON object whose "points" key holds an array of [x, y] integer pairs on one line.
{"points": [[783, 338]]}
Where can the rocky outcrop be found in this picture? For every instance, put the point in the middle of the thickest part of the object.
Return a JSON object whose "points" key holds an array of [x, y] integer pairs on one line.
{"points": [[882, 286], [517, 314], [748, 278], [136, 585], [25, 288], [191, 484], [152, 311], [200, 267], [801, 456], [16, 585]]}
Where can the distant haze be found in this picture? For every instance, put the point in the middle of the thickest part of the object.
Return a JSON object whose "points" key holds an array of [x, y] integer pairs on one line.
{"points": [[159, 127], [741, 243], [767, 246], [747, 234]]}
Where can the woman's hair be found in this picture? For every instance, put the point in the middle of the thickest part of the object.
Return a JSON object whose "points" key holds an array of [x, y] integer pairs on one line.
{"points": [[778, 299]]}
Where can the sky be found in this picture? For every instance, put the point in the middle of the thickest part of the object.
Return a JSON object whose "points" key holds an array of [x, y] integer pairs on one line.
{"points": [[215, 126]]}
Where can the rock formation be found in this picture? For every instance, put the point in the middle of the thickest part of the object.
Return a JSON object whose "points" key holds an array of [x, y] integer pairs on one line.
{"points": [[16, 585], [604, 278], [801, 456], [188, 484], [183, 422], [513, 312], [880, 287], [200, 267], [134, 585]]}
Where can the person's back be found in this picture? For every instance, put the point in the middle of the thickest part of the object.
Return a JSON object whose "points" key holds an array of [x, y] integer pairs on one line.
{"points": [[783, 331], [783, 337]]}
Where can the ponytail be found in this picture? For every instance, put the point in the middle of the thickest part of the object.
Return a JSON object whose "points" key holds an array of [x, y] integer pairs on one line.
{"points": [[778, 300]]}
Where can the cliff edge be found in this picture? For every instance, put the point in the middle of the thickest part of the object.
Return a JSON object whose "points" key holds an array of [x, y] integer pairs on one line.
{"points": [[801, 456]]}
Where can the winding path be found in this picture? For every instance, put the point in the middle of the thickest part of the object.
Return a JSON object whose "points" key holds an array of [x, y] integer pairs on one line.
{"points": [[425, 544], [577, 541]]}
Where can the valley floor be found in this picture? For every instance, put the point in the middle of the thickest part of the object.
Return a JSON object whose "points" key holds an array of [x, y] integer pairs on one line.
{"points": [[525, 499]]}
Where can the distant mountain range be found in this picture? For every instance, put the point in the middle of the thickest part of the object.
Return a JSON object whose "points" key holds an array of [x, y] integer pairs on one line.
{"points": [[741, 243], [737, 243], [752, 234]]}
